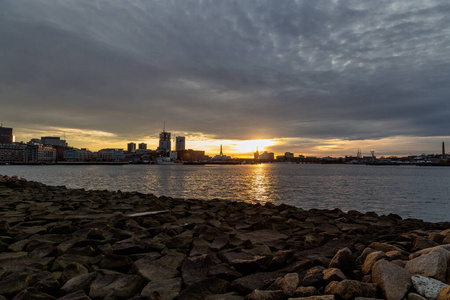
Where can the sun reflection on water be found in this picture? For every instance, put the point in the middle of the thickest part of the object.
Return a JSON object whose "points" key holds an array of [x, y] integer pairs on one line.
{"points": [[259, 183]]}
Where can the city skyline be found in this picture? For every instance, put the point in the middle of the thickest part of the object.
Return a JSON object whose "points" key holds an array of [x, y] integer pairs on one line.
{"points": [[308, 77]]}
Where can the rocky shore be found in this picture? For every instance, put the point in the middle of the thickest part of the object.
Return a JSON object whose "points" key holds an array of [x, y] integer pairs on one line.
{"points": [[58, 243]]}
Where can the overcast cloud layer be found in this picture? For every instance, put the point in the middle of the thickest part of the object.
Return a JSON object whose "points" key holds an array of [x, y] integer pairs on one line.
{"points": [[229, 69]]}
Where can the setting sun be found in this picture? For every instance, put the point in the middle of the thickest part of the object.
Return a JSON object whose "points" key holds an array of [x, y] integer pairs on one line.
{"points": [[249, 146]]}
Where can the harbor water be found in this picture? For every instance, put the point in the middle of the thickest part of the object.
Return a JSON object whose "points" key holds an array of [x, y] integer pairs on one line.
{"points": [[409, 191]]}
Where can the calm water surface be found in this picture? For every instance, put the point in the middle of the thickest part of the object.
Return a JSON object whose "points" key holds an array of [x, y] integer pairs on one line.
{"points": [[412, 192]]}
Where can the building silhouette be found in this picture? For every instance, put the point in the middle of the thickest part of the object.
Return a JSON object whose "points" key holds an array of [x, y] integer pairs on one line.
{"points": [[180, 143], [165, 144], [6, 135], [142, 146], [131, 147]]}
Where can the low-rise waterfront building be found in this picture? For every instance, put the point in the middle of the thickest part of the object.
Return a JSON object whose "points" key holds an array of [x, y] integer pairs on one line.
{"points": [[78, 155], [113, 155], [41, 154], [191, 155], [13, 153]]}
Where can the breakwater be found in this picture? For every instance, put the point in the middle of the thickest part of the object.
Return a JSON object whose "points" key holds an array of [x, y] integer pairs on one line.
{"points": [[58, 243]]}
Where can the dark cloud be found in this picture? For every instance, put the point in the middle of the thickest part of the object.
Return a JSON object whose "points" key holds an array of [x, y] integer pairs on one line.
{"points": [[230, 69]]}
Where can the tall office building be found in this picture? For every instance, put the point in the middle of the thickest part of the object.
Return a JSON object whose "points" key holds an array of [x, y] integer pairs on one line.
{"points": [[131, 147], [180, 143], [6, 135], [165, 144], [142, 146]]}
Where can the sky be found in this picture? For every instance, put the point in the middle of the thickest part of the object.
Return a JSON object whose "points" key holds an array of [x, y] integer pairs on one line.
{"points": [[309, 77]]}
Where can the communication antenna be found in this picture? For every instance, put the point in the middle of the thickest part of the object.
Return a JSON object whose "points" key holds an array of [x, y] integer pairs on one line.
{"points": [[164, 126]]}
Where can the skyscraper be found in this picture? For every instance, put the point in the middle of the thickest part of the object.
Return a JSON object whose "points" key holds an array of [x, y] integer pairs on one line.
{"points": [[180, 143], [131, 147], [165, 145], [6, 135], [142, 146]]}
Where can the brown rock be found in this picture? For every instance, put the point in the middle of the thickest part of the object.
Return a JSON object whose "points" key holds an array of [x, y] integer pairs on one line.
{"points": [[288, 284], [360, 260], [414, 296], [333, 274], [421, 243], [247, 284], [384, 247], [393, 280], [306, 291], [444, 293], [371, 259], [313, 277], [349, 289], [343, 260], [325, 297], [265, 295]]}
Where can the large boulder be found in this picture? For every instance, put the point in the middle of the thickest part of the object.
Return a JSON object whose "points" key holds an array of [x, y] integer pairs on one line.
{"points": [[432, 265], [393, 280]]}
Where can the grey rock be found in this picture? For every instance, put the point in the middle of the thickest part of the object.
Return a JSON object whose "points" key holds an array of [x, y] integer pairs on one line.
{"points": [[427, 287], [116, 262], [72, 270], [152, 270], [78, 295], [201, 290], [393, 280], [224, 271], [81, 282], [168, 289], [433, 265], [195, 269], [122, 286], [33, 293], [13, 284], [247, 284], [262, 236]]}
